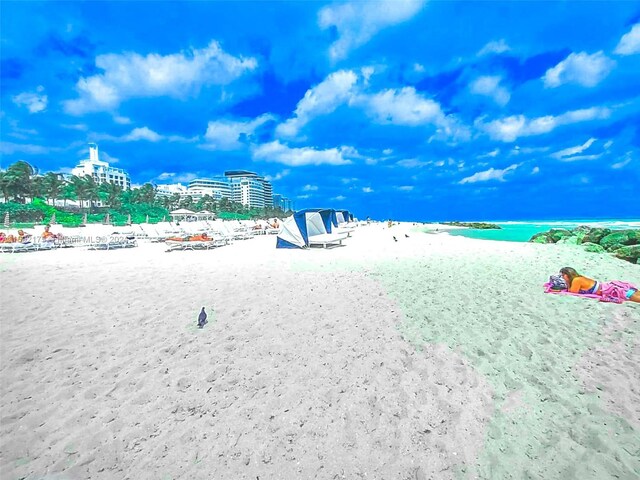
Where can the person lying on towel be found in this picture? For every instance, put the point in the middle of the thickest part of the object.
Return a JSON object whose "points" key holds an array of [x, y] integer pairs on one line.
{"points": [[194, 238], [614, 291]]}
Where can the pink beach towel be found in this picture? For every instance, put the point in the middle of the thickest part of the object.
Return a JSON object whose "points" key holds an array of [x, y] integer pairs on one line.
{"points": [[614, 291]]}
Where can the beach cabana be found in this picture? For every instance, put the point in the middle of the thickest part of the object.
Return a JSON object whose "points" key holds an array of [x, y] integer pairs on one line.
{"points": [[309, 227], [183, 214]]}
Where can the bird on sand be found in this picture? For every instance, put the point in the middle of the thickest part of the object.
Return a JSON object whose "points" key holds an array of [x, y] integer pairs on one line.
{"points": [[202, 318], [395, 239]]}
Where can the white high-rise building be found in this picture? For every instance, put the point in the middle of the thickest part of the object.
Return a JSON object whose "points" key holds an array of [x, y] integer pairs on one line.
{"points": [[101, 171], [249, 189]]}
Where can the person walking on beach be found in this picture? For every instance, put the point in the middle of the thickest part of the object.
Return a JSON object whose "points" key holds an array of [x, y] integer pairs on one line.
{"points": [[580, 284]]}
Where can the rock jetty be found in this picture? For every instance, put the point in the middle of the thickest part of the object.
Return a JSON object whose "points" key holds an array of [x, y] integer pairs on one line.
{"points": [[476, 225], [624, 244]]}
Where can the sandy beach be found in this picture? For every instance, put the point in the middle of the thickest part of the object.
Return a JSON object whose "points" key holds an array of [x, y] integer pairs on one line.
{"points": [[429, 357]]}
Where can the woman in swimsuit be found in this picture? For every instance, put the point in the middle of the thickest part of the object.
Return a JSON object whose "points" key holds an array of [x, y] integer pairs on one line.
{"points": [[587, 286]]}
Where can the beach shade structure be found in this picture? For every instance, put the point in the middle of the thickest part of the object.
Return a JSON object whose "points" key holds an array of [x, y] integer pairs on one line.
{"points": [[129, 219], [296, 230], [107, 219], [183, 214], [84, 219], [52, 220], [6, 219], [146, 220]]}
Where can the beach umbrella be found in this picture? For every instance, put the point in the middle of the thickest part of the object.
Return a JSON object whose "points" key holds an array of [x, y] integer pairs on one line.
{"points": [[84, 219], [164, 218], [107, 219], [146, 219], [52, 220], [129, 219], [6, 219]]}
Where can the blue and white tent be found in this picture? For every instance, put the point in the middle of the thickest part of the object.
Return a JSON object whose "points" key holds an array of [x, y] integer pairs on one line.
{"points": [[296, 230], [343, 216]]}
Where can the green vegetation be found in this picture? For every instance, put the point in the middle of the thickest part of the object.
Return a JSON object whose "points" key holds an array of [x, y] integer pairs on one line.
{"points": [[30, 198]]}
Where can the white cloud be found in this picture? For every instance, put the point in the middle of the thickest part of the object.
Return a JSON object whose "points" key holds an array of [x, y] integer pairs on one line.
{"points": [[143, 133], [278, 176], [303, 196], [491, 154], [510, 128], [406, 188], [184, 177], [367, 189], [227, 134], [339, 198], [571, 151], [76, 126], [630, 42], [309, 188], [490, 86], [624, 162], [607, 145], [295, 157], [121, 120], [177, 75], [581, 68], [403, 107], [387, 151], [412, 163], [535, 170], [499, 46], [7, 148], [323, 98], [34, 101], [356, 23], [491, 174]]}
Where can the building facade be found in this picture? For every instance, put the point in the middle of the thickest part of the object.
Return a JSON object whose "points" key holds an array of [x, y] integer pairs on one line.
{"points": [[101, 171], [216, 187], [249, 189], [282, 203]]}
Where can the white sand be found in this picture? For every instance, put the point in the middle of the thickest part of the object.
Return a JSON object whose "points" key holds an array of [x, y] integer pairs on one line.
{"points": [[380, 359]]}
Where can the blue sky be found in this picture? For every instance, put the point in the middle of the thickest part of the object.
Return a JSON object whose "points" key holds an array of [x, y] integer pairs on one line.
{"points": [[408, 109]]}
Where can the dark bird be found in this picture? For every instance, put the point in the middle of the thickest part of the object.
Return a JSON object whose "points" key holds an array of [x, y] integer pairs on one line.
{"points": [[395, 239], [406, 235], [202, 318]]}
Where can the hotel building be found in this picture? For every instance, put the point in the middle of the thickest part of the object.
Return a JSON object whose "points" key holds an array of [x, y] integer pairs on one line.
{"points": [[101, 171]]}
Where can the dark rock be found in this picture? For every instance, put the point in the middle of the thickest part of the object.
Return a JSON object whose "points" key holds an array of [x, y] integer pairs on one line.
{"points": [[630, 253], [593, 247], [595, 235], [620, 238]]}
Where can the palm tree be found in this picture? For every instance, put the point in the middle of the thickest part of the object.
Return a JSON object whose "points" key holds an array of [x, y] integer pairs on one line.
{"points": [[110, 194], [5, 185], [91, 191], [52, 183], [79, 188], [19, 180], [68, 192]]}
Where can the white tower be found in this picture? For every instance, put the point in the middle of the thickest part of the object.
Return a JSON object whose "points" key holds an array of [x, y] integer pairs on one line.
{"points": [[93, 152]]}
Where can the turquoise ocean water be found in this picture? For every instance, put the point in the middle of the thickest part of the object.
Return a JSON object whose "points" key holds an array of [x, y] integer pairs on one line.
{"points": [[523, 231]]}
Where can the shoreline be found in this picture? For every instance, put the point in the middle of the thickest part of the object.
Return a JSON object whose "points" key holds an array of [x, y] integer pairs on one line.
{"points": [[432, 356]]}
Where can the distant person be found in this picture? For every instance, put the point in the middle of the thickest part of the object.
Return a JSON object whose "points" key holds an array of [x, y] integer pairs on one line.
{"points": [[23, 237], [587, 286], [48, 236]]}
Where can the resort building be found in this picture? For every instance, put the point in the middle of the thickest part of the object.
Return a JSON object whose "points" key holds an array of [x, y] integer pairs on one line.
{"points": [[101, 171], [171, 189], [217, 187], [282, 203], [249, 189]]}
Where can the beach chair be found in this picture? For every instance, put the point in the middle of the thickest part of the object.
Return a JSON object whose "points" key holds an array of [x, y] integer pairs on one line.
{"points": [[327, 239], [17, 247]]}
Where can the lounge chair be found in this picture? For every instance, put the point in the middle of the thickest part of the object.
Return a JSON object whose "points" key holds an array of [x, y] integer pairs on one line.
{"points": [[326, 239]]}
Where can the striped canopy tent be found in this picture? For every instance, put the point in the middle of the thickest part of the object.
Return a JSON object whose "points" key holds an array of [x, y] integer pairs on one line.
{"points": [[183, 214], [6, 219]]}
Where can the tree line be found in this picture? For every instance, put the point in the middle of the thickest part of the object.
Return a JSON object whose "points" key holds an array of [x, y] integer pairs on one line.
{"points": [[21, 183]]}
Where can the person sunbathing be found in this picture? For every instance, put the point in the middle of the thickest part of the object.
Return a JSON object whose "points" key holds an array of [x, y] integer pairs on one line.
{"points": [[23, 237], [48, 236], [587, 286]]}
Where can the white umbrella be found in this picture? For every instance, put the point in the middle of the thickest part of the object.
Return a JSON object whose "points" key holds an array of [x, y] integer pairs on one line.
{"points": [[6, 219], [52, 220], [107, 219], [84, 219], [129, 219], [147, 219]]}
